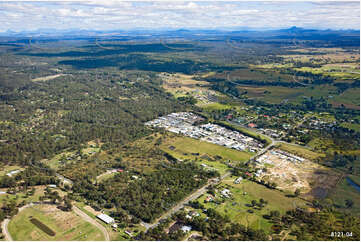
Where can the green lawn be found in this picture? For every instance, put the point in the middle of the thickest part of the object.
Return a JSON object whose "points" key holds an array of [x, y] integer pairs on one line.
{"points": [[66, 225], [236, 207]]}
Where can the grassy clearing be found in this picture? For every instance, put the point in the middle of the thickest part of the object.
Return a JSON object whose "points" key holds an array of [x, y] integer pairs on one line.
{"points": [[106, 176], [344, 191], [352, 126], [55, 161], [300, 151], [47, 78], [184, 146], [21, 196], [66, 225], [343, 73], [273, 94], [236, 207], [216, 106], [350, 97]]}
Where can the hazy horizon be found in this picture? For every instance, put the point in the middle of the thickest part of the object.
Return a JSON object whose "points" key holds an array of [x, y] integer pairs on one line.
{"points": [[108, 15]]}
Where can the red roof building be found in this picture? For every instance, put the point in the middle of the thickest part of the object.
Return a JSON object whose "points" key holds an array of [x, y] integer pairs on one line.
{"points": [[252, 125]]}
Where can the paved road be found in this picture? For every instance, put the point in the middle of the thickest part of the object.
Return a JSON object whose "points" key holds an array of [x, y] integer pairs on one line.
{"points": [[181, 204], [89, 219]]}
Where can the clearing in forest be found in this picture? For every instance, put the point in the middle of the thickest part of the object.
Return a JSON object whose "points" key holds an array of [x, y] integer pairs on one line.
{"points": [[65, 225]]}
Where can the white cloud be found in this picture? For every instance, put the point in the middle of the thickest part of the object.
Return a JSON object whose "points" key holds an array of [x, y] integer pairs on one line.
{"points": [[105, 14]]}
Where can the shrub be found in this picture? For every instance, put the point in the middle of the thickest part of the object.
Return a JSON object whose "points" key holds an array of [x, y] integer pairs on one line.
{"points": [[42, 226]]}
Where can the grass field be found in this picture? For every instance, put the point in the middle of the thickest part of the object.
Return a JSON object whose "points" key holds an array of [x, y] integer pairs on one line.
{"points": [[352, 126], [276, 94], [216, 106], [184, 146], [333, 71], [21, 196], [236, 207], [300, 151], [350, 98], [66, 225], [344, 191]]}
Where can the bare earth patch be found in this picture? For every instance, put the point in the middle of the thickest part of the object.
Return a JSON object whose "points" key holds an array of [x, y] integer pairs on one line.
{"points": [[290, 174]]}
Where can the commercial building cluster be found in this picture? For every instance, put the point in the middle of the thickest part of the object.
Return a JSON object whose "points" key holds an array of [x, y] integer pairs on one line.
{"points": [[185, 123]]}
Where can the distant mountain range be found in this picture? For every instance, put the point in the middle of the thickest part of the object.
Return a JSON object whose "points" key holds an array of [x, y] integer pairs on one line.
{"points": [[181, 32]]}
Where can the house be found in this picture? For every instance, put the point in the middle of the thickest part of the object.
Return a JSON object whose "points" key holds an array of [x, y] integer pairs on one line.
{"points": [[186, 228], [252, 125], [105, 218], [11, 173], [194, 214], [226, 193], [208, 199], [248, 174], [128, 233], [52, 186], [238, 180]]}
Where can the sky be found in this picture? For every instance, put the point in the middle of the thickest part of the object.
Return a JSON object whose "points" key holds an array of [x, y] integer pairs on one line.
{"points": [[125, 15]]}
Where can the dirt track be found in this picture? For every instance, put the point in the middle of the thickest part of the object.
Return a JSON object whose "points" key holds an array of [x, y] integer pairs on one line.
{"points": [[4, 227], [87, 218]]}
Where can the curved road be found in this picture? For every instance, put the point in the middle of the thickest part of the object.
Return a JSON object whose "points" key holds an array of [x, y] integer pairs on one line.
{"points": [[89, 219], [4, 225]]}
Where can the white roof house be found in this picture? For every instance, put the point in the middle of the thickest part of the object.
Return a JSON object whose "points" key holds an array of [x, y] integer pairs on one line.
{"points": [[186, 228], [105, 218], [13, 172], [226, 193]]}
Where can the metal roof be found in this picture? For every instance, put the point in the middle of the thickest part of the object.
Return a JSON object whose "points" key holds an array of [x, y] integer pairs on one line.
{"points": [[107, 219]]}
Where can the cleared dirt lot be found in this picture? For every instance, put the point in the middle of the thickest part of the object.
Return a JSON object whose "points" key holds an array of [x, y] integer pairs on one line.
{"points": [[290, 174]]}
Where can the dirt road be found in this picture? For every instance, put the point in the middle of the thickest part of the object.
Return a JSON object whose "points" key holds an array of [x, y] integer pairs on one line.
{"points": [[4, 227], [87, 218]]}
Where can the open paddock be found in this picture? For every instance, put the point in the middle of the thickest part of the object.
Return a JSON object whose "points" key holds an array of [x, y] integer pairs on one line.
{"points": [[65, 225]]}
